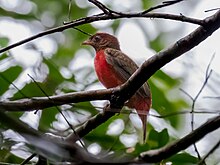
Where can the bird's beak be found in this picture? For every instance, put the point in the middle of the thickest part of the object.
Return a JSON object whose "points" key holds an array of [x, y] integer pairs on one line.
{"points": [[87, 42]]}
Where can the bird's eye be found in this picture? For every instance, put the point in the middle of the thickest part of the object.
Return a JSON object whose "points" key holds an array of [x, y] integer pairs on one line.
{"points": [[96, 38]]}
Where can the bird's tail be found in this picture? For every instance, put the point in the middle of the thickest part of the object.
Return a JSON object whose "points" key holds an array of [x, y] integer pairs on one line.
{"points": [[143, 117], [143, 109], [142, 106]]}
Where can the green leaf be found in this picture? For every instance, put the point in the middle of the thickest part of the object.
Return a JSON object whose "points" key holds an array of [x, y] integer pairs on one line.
{"points": [[47, 117], [32, 90], [139, 148], [107, 142], [7, 77], [6, 156], [87, 106], [158, 139], [3, 56], [158, 43], [165, 96], [183, 159], [147, 4], [54, 78], [168, 81], [3, 41]]}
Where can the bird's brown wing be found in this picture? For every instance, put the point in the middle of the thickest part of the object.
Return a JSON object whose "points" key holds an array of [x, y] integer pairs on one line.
{"points": [[125, 67]]}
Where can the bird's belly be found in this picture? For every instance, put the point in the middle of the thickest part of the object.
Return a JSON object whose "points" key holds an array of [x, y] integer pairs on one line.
{"points": [[106, 72]]}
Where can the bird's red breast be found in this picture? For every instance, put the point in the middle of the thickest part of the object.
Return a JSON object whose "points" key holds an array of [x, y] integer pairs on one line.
{"points": [[105, 71]]}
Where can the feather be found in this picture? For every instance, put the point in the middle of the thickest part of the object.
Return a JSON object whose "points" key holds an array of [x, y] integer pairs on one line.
{"points": [[125, 67]]}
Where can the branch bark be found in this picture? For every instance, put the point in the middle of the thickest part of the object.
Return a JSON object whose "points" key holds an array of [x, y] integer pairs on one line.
{"points": [[171, 149], [163, 57], [75, 152], [91, 124], [36, 103]]}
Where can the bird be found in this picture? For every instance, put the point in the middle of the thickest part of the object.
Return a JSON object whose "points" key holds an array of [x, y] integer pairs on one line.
{"points": [[114, 68]]}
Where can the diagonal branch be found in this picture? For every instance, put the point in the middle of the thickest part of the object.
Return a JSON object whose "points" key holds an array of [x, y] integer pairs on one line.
{"points": [[171, 149], [149, 67], [92, 123], [216, 146]]}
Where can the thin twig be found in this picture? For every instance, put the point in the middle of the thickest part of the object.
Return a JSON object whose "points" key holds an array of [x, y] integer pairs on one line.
{"points": [[208, 67], [207, 76], [171, 2], [69, 9], [209, 153], [187, 94], [193, 105], [212, 97], [9, 82], [101, 6], [183, 113], [212, 9], [69, 17], [164, 4], [86, 33], [28, 159]]}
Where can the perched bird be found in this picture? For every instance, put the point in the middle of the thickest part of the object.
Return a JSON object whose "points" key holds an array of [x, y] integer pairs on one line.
{"points": [[114, 68]]}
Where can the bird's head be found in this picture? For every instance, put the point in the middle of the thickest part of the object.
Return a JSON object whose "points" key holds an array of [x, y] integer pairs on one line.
{"points": [[101, 41]]}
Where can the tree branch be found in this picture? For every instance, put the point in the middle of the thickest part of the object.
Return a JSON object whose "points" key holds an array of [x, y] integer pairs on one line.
{"points": [[92, 123], [164, 4], [36, 103], [58, 148], [71, 151], [216, 146], [104, 16], [101, 6], [149, 67], [171, 149]]}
